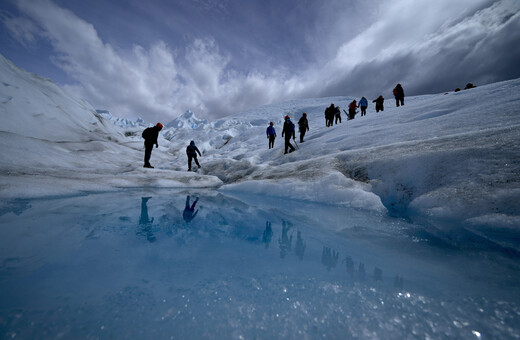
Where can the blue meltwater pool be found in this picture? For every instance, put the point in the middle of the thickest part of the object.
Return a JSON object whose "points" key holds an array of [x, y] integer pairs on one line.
{"points": [[204, 265]]}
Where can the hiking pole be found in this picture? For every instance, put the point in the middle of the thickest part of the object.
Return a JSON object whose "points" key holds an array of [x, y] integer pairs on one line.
{"points": [[297, 147]]}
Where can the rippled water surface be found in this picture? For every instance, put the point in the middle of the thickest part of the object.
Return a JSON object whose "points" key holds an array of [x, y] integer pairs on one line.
{"points": [[145, 265]]}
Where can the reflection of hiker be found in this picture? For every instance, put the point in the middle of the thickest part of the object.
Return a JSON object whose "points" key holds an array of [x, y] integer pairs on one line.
{"points": [[379, 103], [145, 222], [191, 151], [303, 126], [363, 103], [268, 234], [285, 243], [349, 264], [150, 138], [271, 135], [399, 95], [337, 115], [352, 109], [329, 258], [288, 131], [188, 213], [300, 246]]}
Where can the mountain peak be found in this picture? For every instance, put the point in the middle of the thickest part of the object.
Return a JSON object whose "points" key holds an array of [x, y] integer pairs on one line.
{"points": [[187, 120]]}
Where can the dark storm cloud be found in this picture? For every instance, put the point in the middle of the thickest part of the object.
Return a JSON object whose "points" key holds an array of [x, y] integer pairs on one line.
{"points": [[220, 57]]}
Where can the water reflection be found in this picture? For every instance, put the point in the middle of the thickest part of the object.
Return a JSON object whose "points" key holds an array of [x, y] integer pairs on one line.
{"points": [[199, 278], [268, 234], [145, 222], [349, 263], [189, 211], [300, 246], [329, 258], [285, 242]]}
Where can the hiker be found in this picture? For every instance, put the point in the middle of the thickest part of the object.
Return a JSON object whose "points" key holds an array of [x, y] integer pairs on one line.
{"points": [[189, 212], [329, 115], [399, 95], [469, 86], [379, 103], [191, 151], [150, 135], [337, 115], [303, 126], [363, 103], [271, 135], [288, 131], [352, 109]]}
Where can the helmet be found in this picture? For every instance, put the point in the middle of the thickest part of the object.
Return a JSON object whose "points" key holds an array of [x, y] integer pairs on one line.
{"points": [[159, 125], [270, 123], [305, 114], [287, 117]]}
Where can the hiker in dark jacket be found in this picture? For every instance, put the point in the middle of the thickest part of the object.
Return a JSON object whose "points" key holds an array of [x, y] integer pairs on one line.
{"points": [[379, 103], [288, 131], [399, 95], [337, 115], [191, 151], [150, 136], [303, 126], [329, 115], [271, 135], [363, 103]]}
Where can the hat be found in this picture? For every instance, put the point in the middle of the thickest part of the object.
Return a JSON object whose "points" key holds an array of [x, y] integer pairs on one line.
{"points": [[270, 123], [287, 117], [159, 125], [304, 113]]}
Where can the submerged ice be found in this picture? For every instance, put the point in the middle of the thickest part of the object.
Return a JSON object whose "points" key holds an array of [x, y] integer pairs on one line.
{"points": [[161, 264]]}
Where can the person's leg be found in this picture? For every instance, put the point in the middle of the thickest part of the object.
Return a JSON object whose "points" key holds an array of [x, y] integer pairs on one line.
{"points": [[189, 162], [196, 160], [397, 102], [147, 154]]}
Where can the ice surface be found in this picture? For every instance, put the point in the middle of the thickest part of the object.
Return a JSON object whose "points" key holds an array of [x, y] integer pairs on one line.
{"points": [[138, 264], [449, 157]]}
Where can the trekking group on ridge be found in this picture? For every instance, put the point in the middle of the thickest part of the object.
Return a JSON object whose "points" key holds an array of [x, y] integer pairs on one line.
{"points": [[332, 116]]}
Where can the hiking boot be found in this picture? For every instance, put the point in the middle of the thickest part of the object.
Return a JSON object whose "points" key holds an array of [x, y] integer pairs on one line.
{"points": [[148, 166]]}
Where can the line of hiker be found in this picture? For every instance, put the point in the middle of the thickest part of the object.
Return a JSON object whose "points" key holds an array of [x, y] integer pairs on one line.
{"points": [[333, 114]]}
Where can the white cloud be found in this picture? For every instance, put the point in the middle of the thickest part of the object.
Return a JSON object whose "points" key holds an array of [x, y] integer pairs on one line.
{"points": [[411, 42]]}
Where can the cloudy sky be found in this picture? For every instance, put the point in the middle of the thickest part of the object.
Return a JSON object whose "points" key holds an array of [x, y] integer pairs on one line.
{"points": [[158, 58]]}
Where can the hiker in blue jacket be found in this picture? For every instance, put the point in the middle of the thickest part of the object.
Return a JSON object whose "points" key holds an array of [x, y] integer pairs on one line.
{"points": [[271, 135], [363, 103]]}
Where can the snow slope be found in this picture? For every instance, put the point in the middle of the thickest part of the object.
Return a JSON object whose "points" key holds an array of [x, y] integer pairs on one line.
{"points": [[451, 157], [53, 144]]}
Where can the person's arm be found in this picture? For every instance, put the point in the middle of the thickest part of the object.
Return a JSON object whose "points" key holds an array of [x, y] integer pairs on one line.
{"points": [[197, 149]]}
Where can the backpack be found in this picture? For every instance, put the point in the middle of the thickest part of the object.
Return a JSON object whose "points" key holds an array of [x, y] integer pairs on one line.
{"points": [[146, 133]]}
